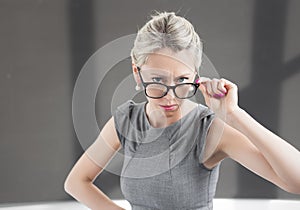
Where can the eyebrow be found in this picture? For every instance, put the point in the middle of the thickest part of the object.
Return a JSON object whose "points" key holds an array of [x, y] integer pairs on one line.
{"points": [[183, 75]]}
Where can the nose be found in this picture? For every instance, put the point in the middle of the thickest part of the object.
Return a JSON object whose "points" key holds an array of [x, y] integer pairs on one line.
{"points": [[170, 94]]}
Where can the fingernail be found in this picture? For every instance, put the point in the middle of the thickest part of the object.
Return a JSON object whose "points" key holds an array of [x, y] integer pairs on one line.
{"points": [[218, 95]]}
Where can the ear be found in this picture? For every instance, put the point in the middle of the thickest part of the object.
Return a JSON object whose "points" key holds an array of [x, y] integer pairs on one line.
{"points": [[134, 68], [136, 74], [198, 77]]}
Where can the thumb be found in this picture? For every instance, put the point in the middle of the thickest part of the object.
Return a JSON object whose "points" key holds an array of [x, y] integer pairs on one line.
{"points": [[202, 88], [202, 84]]}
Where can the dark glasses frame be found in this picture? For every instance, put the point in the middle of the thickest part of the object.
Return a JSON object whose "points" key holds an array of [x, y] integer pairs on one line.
{"points": [[145, 84]]}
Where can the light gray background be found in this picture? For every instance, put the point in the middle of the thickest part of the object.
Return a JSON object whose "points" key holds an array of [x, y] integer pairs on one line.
{"points": [[45, 43]]}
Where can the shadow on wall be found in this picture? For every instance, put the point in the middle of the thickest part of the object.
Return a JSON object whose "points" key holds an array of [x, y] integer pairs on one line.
{"points": [[269, 28]]}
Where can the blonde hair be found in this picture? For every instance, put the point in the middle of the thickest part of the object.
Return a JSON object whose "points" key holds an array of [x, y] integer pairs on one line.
{"points": [[166, 30]]}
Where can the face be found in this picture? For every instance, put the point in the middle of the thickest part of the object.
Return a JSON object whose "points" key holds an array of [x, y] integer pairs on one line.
{"points": [[169, 68]]}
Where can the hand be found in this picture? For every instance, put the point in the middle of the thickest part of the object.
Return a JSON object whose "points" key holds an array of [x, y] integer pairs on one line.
{"points": [[220, 95]]}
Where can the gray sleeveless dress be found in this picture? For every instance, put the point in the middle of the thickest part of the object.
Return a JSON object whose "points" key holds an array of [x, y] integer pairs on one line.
{"points": [[162, 167]]}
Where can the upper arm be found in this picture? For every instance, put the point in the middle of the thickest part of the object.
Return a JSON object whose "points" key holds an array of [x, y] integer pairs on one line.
{"points": [[95, 158], [238, 147]]}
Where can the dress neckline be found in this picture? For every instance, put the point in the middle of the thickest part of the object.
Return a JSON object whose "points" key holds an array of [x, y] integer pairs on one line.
{"points": [[143, 105]]}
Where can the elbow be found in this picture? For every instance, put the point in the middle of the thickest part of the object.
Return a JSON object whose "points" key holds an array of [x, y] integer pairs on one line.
{"points": [[294, 189], [67, 186], [73, 185]]}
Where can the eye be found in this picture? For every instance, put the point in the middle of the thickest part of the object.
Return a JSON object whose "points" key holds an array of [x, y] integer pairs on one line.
{"points": [[156, 79], [182, 79]]}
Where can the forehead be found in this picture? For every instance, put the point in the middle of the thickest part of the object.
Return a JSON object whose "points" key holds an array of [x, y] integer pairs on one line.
{"points": [[168, 62]]}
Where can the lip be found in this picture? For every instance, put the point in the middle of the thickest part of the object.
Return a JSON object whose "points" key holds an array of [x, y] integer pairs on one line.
{"points": [[168, 107]]}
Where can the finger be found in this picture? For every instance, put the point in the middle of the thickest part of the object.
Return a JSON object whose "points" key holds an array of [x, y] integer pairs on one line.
{"points": [[221, 86], [202, 88], [209, 89], [204, 79], [204, 83], [215, 87], [229, 85]]}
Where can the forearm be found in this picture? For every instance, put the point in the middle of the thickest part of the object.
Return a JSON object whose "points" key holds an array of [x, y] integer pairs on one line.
{"points": [[91, 196], [283, 157]]}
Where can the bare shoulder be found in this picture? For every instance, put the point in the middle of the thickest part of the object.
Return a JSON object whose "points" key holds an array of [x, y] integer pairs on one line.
{"points": [[213, 152], [97, 155], [109, 134], [106, 144]]}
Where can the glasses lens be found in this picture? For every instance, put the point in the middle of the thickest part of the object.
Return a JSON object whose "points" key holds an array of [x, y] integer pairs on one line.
{"points": [[156, 90], [185, 90]]}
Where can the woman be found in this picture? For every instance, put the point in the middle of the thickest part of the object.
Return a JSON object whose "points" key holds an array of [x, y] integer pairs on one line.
{"points": [[173, 147]]}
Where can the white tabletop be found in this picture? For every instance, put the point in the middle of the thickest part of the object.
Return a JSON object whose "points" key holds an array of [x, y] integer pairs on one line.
{"points": [[219, 204]]}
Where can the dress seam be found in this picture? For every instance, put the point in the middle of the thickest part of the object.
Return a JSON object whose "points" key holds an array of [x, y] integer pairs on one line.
{"points": [[170, 170], [134, 154], [133, 204], [208, 186]]}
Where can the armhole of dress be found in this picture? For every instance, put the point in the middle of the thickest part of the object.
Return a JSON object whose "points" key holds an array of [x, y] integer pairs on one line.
{"points": [[117, 128], [207, 121], [120, 116]]}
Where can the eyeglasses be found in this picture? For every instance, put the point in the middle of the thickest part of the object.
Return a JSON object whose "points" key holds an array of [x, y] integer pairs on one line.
{"points": [[158, 90]]}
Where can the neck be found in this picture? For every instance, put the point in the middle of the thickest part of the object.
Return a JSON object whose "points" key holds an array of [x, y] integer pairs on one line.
{"points": [[158, 118]]}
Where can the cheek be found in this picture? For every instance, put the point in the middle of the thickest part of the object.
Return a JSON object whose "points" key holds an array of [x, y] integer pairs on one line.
{"points": [[180, 101], [154, 101], [159, 101]]}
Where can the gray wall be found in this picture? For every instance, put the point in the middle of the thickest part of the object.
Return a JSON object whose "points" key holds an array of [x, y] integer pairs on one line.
{"points": [[44, 45]]}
